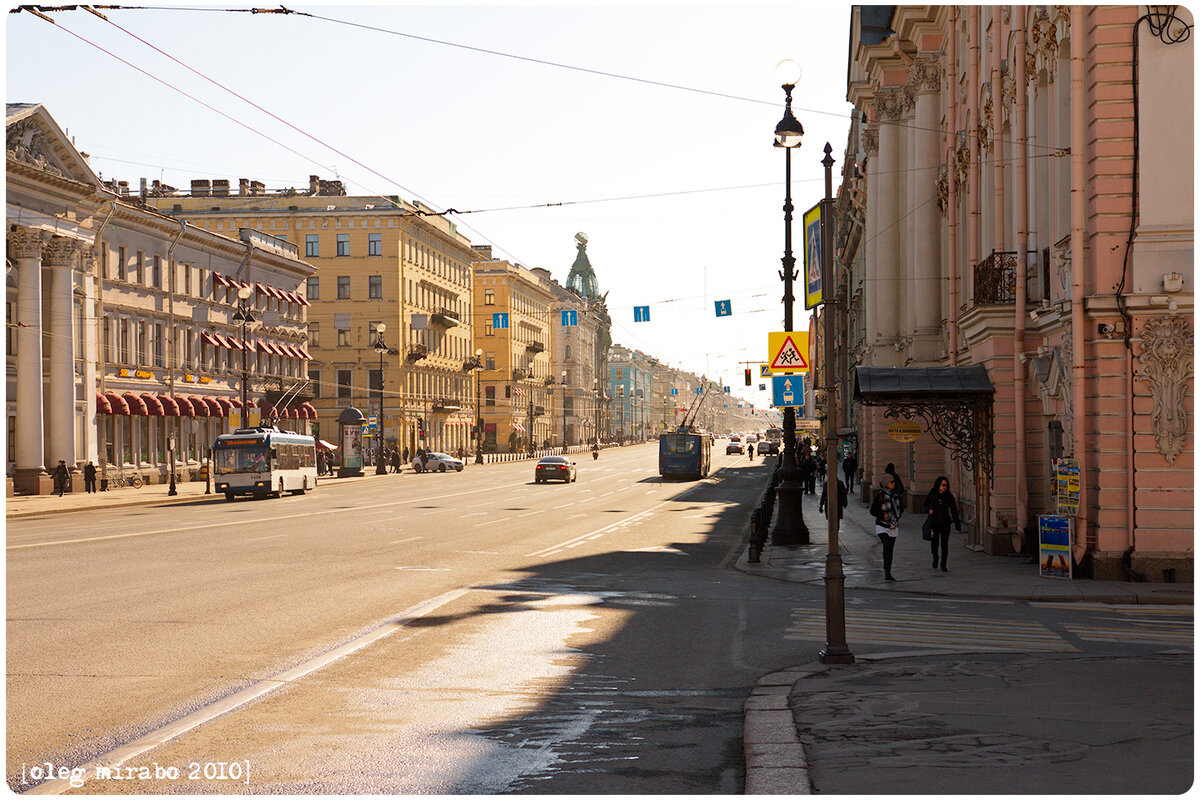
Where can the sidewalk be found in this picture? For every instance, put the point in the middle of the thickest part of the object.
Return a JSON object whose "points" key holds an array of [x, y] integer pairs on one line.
{"points": [[959, 722]]}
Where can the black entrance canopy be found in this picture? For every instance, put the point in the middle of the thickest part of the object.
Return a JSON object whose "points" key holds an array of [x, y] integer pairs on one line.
{"points": [[955, 402]]}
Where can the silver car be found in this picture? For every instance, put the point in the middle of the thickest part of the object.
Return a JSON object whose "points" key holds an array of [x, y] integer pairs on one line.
{"points": [[437, 462]]}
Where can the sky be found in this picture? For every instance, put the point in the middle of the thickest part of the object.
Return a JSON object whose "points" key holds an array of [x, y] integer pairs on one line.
{"points": [[657, 141]]}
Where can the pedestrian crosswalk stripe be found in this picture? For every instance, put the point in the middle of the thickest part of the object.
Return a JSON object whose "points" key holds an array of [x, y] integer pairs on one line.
{"points": [[932, 629], [1142, 635]]}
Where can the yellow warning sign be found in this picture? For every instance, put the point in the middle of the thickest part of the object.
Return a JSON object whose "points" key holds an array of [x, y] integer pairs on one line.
{"points": [[787, 351], [764, 370]]}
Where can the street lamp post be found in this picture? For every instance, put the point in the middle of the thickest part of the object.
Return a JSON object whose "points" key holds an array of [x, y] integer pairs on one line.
{"points": [[836, 650], [244, 316], [478, 409], [564, 405], [380, 347], [789, 527]]}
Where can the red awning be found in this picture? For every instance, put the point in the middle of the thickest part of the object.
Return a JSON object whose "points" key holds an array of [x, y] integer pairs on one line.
{"points": [[258, 287], [250, 347], [117, 404], [218, 278], [153, 407], [208, 337], [170, 407], [214, 408], [199, 407], [305, 354], [185, 407], [102, 404], [226, 405], [324, 445], [136, 406], [310, 412], [234, 343], [302, 299]]}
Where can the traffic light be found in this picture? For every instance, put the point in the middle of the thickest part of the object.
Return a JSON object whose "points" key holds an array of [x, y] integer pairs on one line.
{"points": [[749, 380], [420, 427]]}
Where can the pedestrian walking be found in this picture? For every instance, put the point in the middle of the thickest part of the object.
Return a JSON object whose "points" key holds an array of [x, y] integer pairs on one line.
{"points": [[849, 467], [890, 469], [886, 510], [89, 477], [843, 499], [404, 460], [61, 478], [942, 509], [395, 461], [807, 468]]}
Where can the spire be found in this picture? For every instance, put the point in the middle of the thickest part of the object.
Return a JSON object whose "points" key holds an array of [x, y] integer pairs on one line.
{"points": [[582, 279]]}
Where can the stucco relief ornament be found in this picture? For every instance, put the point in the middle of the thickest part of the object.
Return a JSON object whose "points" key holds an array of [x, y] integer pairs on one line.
{"points": [[1067, 418], [60, 252], [985, 122], [25, 243], [870, 140], [24, 144], [1043, 45], [925, 74], [1166, 363], [962, 163], [943, 189], [893, 103]]}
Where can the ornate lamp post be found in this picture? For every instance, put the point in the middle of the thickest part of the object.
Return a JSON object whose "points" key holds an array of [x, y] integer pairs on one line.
{"points": [[244, 316], [478, 409], [380, 347], [789, 527]]}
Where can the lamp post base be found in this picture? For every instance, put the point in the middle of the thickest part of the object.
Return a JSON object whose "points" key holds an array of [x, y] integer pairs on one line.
{"points": [[789, 527], [836, 651]]}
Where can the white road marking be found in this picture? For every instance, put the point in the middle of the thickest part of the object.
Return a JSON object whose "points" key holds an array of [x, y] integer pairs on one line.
{"points": [[260, 538], [492, 522], [117, 757], [402, 541]]}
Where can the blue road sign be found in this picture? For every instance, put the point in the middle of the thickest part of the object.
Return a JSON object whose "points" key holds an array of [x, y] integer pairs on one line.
{"points": [[674, 392], [788, 391], [500, 320], [723, 308], [570, 319], [641, 313]]}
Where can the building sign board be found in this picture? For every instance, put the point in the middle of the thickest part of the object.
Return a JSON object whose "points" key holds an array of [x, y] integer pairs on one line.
{"points": [[1066, 485], [1054, 546], [904, 430]]}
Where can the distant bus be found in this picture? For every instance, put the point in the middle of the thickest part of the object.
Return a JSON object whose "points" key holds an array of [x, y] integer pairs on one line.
{"points": [[264, 461], [774, 435], [684, 454]]}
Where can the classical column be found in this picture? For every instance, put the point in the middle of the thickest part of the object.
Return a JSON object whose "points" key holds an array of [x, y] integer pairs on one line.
{"points": [[890, 106], [871, 249], [90, 356], [925, 247], [29, 477], [60, 256]]}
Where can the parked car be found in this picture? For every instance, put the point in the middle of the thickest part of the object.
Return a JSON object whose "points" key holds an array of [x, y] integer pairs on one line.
{"points": [[766, 448], [437, 462], [555, 468]]}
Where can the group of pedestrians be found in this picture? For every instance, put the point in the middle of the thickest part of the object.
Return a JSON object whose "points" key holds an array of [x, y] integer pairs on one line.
{"points": [[940, 508]]}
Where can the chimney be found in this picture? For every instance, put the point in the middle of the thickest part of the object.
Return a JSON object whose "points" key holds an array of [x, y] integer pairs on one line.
{"points": [[220, 187], [314, 184], [243, 186], [484, 251], [258, 188], [124, 188], [200, 188]]}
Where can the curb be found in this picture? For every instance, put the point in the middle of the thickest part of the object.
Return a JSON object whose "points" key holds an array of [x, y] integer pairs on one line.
{"points": [[775, 759]]}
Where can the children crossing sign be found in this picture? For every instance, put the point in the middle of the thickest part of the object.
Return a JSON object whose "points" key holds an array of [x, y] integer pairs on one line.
{"points": [[787, 351]]}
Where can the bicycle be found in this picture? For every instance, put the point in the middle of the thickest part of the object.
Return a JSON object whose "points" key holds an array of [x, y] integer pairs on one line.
{"points": [[122, 478]]}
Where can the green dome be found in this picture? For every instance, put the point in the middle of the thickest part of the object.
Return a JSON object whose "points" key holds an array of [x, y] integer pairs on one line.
{"points": [[582, 279]]}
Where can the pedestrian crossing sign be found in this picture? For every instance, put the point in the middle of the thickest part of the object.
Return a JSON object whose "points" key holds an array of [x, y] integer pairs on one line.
{"points": [[764, 370], [788, 351]]}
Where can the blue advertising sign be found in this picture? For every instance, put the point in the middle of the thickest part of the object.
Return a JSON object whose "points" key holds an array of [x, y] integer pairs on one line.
{"points": [[788, 391], [1054, 546], [500, 320]]}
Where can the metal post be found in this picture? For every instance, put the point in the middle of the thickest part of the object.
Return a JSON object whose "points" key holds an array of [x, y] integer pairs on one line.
{"points": [[380, 468], [171, 455], [836, 650], [788, 527]]}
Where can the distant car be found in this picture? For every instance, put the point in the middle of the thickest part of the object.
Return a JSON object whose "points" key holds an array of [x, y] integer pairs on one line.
{"points": [[437, 462], [750, 437], [734, 447], [558, 468], [766, 448]]}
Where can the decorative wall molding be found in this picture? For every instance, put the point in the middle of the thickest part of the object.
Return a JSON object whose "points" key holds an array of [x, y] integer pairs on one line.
{"points": [[870, 141], [24, 143], [943, 189], [1166, 364]]}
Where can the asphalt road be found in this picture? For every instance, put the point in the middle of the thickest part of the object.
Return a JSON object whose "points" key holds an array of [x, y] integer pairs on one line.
{"points": [[473, 600], [445, 634]]}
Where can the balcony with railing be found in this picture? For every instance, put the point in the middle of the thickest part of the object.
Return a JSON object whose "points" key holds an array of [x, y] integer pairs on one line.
{"points": [[444, 317], [519, 374], [416, 353], [535, 347], [471, 364], [996, 280]]}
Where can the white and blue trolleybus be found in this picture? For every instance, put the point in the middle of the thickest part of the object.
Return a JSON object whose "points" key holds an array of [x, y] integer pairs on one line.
{"points": [[264, 461]]}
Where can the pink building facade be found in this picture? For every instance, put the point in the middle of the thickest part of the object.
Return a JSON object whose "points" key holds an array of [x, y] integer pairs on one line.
{"points": [[1017, 193]]}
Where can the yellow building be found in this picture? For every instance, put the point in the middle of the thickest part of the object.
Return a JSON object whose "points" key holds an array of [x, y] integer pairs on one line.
{"points": [[379, 261], [517, 382]]}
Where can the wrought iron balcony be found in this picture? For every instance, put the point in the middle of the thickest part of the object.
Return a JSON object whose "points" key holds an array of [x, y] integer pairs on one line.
{"points": [[535, 347], [446, 405], [416, 353], [471, 364], [996, 280], [519, 374], [444, 317]]}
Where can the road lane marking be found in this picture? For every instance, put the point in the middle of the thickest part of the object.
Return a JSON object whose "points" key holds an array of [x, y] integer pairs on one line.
{"points": [[476, 514], [492, 522], [402, 541], [423, 569], [531, 513], [118, 756], [228, 523], [260, 538]]}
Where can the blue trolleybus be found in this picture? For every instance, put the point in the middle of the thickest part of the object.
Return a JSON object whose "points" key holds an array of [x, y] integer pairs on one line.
{"points": [[264, 461], [684, 454]]}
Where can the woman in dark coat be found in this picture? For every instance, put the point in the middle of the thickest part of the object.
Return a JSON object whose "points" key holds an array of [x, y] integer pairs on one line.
{"points": [[942, 508], [890, 469]]}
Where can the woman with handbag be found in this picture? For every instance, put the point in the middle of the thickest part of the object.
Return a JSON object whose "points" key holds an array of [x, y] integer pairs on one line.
{"points": [[885, 508], [940, 510]]}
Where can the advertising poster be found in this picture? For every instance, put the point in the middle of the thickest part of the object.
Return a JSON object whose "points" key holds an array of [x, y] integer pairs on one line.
{"points": [[812, 257], [1054, 546], [1066, 471], [351, 447]]}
